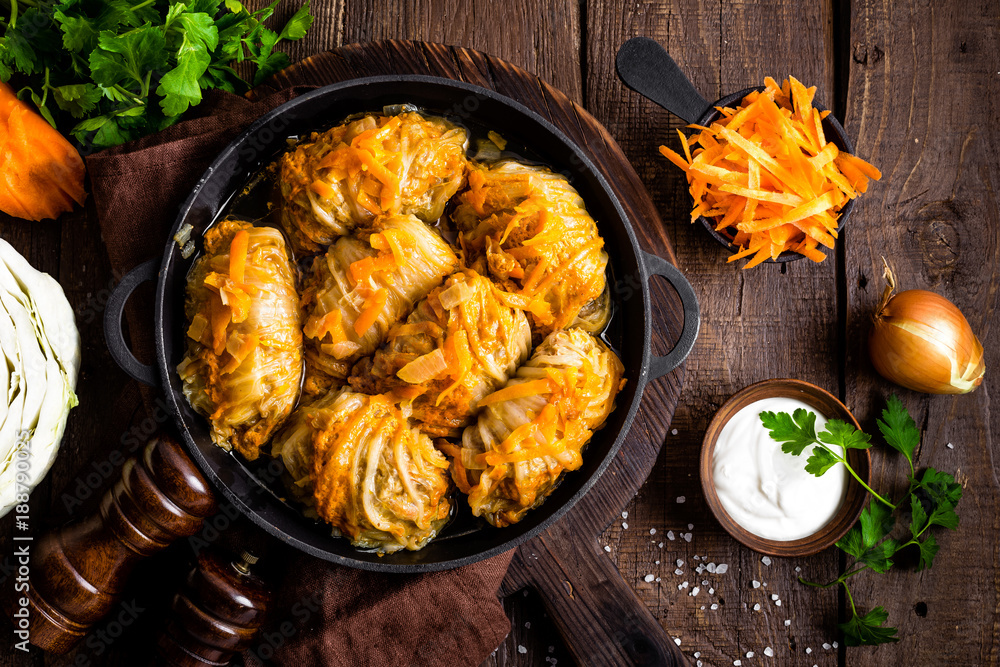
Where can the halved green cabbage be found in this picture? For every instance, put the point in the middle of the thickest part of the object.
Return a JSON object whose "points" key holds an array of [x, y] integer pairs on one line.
{"points": [[459, 344], [377, 165], [529, 229], [354, 459], [534, 428], [41, 349], [243, 365], [354, 277]]}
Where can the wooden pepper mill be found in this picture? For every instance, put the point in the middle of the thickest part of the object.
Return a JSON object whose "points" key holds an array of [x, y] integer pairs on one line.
{"points": [[217, 615], [77, 573]]}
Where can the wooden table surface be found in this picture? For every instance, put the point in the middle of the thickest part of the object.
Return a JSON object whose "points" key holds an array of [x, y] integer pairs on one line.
{"points": [[917, 86]]}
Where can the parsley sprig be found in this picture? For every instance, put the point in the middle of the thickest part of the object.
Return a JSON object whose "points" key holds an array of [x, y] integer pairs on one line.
{"points": [[930, 498], [107, 71]]}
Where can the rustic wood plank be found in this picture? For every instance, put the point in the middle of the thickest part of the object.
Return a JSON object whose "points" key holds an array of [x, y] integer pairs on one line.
{"points": [[745, 334], [541, 37], [923, 84]]}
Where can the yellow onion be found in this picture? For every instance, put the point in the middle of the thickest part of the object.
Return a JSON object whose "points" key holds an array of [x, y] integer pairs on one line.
{"points": [[921, 340]]}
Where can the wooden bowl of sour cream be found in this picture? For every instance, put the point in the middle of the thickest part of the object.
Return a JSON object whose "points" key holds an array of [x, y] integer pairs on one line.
{"points": [[762, 496]]}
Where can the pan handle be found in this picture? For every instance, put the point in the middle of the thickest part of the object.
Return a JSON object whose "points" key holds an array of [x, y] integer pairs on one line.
{"points": [[113, 334], [601, 619], [646, 67], [657, 266]]}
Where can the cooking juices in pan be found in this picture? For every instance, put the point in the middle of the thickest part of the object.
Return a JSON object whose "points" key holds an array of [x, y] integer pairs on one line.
{"points": [[539, 421]]}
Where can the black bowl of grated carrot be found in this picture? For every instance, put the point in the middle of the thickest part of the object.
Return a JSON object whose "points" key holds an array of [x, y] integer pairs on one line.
{"points": [[771, 174]]}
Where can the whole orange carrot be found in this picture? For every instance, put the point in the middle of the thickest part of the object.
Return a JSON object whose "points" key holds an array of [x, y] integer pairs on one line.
{"points": [[41, 174]]}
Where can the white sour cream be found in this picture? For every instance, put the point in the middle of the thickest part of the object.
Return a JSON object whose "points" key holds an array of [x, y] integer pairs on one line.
{"points": [[767, 491]]}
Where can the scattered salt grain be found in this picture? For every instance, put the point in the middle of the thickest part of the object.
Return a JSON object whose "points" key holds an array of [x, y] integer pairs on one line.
{"points": [[798, 569], [826, 647], [704, 582], [624, 526], [749, 654], [694, 591], [678, 572], [711, 591], [521, 649], [697, 654], [657, 579], [722, 569], [624, 515], [737, 663], [835, 644], [607, 548], [649, 578], [697, 557], [673, 431], [690, 526], [652, 531], [687, 537], [774, 596], [670, 535], [680, 499], [660, 545], [950, 446], [711, 568], [756, 607], [766, 561], [703, 607], [777, 603], [756, 584], [714, 607], [699, 569], [657, 562], [677, 640], [527, 625], [680, 563], [769, 652], [683, 585], [808, 650], [552, 649], [698, 664], [788, 622]]}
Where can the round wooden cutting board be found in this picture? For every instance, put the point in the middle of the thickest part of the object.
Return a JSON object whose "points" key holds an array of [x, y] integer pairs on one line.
{"points": [[599, 615]]}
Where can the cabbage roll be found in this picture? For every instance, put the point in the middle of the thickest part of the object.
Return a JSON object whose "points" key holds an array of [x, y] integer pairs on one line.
{"points": [[534, 428], [361, 287], [357, 462], [377, 165], [459, 344], [243, 365], [528, 228]]}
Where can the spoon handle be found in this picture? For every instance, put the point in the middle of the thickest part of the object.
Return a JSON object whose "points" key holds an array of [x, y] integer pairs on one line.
{"points": [[645, 67]]}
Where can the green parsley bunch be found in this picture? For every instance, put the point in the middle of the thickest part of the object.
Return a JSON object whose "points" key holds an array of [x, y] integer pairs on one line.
{"points": [[930, 499], [108, 71]]}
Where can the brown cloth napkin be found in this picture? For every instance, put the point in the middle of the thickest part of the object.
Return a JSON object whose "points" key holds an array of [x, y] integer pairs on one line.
{"points": [[338, 616]]}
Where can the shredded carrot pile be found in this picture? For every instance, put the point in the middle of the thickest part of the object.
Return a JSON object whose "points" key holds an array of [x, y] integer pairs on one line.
{"points": [[367, 152], [766, 173], [391, 245]]}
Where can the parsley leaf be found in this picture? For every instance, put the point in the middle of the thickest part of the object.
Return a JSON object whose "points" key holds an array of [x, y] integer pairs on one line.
{"points": [[943, 494], [868, 630], [797, 431], [820, 460], [841, 433], [128, 58], [863, 541], [297, 26], [899, 429], [918, 517], [928, 549]]}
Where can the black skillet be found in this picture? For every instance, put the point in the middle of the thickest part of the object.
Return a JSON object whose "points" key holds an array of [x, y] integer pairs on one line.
{"points": [[646, 67], [466, 539]]}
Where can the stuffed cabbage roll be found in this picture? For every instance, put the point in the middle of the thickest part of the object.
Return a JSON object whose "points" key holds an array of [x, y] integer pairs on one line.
{"points": [[244, 340], [376, 480], [528, 228], [534, 428], [361, 287], [377, 165], [459, 344]]}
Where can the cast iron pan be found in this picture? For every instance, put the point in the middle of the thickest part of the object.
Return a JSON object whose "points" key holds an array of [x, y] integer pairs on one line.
{"points": [[466, 539], [645, 66]]}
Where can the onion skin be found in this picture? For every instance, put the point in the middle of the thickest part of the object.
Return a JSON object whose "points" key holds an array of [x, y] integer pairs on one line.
{"points": [[922, 341]]}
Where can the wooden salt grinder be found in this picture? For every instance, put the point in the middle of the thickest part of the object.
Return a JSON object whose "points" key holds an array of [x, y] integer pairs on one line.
{"points": [[77, 572], [216, 615]]}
